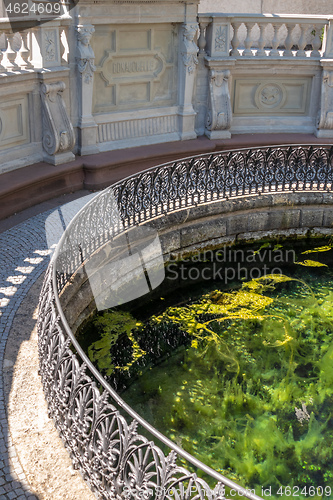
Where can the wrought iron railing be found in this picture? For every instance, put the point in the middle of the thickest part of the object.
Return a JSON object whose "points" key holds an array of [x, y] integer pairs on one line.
{"points": [[115, 460]]}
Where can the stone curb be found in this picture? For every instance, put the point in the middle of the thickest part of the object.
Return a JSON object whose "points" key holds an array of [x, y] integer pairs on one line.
{"points": [[25, 251]]}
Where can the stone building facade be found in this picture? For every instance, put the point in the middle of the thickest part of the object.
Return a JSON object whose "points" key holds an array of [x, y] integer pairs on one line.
{"points": [[109, 75]]}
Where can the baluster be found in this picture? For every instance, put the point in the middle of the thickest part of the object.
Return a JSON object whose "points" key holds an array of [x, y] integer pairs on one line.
{"points": [[261, 41], [288, 41], [24, 51], [202, 37], [64, 43], [2, 54], [275, 42], [2, 67], [302, 41], [248, 40], [316, 44], [11, 54], [235, 40]]}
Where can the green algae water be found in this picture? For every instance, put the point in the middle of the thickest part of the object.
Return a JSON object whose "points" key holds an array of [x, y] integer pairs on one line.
{"points": [[239, 373]]}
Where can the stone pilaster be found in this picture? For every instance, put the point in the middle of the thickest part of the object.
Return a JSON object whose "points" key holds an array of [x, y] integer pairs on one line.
{"points": [[325, 115], [85, 62], [188, 68]]}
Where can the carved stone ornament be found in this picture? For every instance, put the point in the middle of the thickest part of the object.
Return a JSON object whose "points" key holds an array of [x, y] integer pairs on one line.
{"points": [[325, 119], [221, 39], [50, 45], [270, 95], [190, 52], [58, 133], [219, 109], [85, 54]]}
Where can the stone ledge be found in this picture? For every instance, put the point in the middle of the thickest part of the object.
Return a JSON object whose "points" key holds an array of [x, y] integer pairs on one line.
{"points": [[28, 186]]}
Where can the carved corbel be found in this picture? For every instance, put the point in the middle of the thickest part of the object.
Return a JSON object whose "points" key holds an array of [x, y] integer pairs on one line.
{"points": [[325, 118], [58, 133], [219, 114], [85, 55]]}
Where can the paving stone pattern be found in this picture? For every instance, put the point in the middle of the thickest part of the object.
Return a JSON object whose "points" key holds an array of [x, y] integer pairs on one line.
{"points": [[25, 252]]}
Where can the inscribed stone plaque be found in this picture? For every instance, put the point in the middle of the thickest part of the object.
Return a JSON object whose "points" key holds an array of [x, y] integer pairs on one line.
{"points": [[136, 67]]}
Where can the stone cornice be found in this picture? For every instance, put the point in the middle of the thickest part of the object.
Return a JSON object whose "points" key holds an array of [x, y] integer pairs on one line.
{"points": [[138, 2], [153, 1]]}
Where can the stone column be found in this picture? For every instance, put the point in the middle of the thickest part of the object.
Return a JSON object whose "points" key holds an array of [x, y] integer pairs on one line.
{"points": [[85, 59], [188, 67]]}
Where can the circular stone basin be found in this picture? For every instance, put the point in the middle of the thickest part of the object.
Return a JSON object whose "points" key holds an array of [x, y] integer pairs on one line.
{"points": [[232, 360], [236, 373]]}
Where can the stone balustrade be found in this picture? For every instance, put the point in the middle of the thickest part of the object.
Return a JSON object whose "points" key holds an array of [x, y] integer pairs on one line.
{"points": [[265, 35], [15, 53], [24, 48], [265, 72]]}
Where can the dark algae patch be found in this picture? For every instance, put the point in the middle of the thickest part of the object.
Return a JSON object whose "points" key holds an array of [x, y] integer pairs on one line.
{"points": [[242, 378]]}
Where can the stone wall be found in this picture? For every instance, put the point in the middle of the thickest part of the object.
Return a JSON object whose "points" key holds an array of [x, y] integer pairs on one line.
{"points": [[207, 227], [136, 82], [113, 77]]}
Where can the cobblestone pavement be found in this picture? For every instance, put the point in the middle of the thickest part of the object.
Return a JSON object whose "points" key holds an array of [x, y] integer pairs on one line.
{"points": [[25, 251]]}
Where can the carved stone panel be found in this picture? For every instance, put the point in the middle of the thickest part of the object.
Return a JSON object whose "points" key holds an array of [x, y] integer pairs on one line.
{"points": [[278, 96], [136, 67], [14, 128], [50, 46], [135, 129], [218, 39]]}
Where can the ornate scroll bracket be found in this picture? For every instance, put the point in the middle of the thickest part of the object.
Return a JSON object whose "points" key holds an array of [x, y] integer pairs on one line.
{"points": [[325, 116], [190, 51], [85, 54], [219, 114], [58, 133]]}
